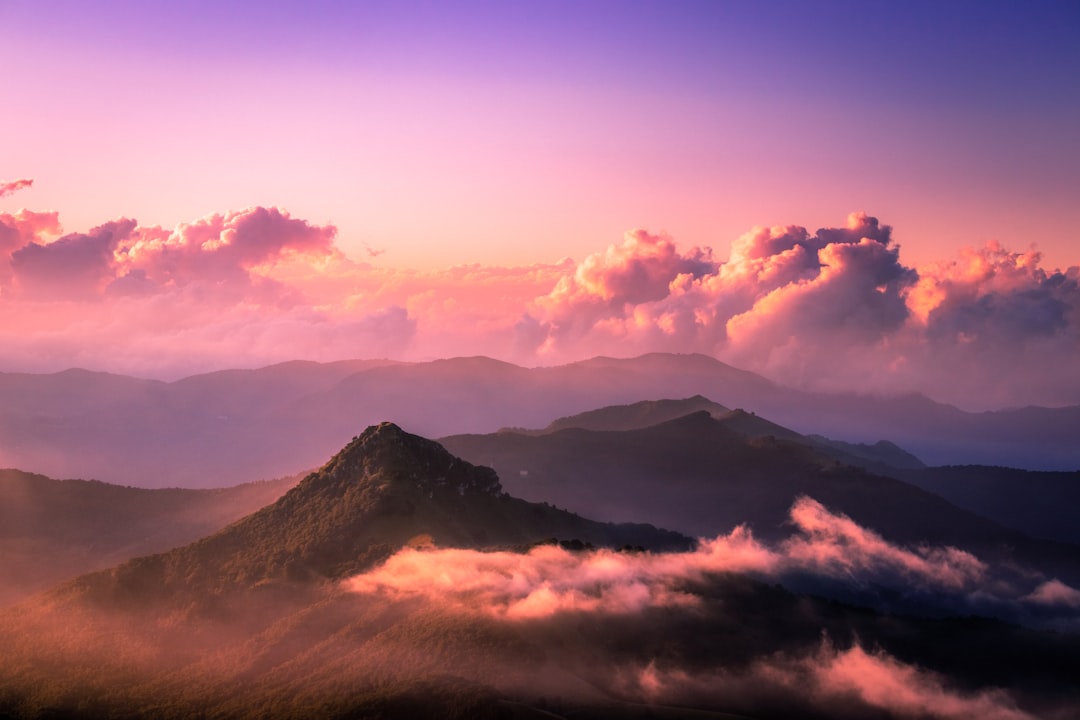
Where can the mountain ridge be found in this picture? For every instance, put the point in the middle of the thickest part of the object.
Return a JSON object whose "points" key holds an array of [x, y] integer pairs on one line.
{"points": [[236, 426], [385, 489]]}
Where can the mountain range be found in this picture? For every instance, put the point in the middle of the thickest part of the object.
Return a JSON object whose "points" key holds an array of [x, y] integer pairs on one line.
{"points": [[401, 581], [238, 426], [711, 470]]}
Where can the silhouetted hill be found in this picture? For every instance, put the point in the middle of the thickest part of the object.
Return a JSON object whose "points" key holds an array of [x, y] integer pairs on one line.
{"points": [[880, 456], [384, 489], [699, 476], [633, 416], [51, 530]]}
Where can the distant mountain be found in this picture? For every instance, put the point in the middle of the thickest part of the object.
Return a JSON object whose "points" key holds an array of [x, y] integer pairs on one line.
{"points": [[634, 416], [234, 426], [698, 475], [52, 530], [882, 455]]}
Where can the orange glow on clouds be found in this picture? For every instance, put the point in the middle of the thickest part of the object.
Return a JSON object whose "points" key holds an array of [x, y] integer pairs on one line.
{"points": [[835, 309], [549, 580]]}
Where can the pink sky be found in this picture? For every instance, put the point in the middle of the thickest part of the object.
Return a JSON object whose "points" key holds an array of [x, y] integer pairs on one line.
{"points": [[543, 182]]}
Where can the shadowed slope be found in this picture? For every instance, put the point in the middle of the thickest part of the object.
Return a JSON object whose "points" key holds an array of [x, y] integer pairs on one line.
{"points": [[698, 475], [385, 488], [51, 530]]}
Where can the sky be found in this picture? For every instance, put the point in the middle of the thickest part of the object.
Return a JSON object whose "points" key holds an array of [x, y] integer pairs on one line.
{"points": [[543, 181]]}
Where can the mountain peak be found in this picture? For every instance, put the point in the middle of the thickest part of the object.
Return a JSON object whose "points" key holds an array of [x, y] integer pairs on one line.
{"points": [[387, 454]]}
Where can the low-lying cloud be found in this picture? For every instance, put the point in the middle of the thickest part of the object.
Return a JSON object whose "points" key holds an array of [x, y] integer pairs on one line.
{"points": [[843, 683], [549, 580], [833, 309]]}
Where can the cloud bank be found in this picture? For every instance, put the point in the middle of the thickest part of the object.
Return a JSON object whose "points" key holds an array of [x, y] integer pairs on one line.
{"points": [[550, 582], [833, 309], [843, 683]]}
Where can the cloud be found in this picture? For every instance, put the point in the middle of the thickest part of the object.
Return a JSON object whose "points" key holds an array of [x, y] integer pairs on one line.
{"points": [[1012, 324], [841, 683], [613, 293], [837, 546], [20, 229], [832, 310], [835, 309], [222, 248], [550, 580], [783, 294], [1055, 593], [7, 188], [76, 266]]}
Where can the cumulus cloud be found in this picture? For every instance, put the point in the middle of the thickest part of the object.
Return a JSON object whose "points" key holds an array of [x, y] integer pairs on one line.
{"points": [[20, 229], [784, 300], [1014, 326], [219, 291], [76, 266], [835, 309], [612, 293], [7, 188]]}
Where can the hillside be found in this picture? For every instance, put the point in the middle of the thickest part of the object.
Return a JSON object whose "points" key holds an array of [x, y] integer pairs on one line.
{"points": [[52, 530]]}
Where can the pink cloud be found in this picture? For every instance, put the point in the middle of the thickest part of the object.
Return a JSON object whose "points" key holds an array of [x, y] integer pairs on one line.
{"points": [[835, 545], [550, 580], [614, 293], [881, 681], [74, 267], [1055, 593], [839, 683], [7, 188], [833, 310]]}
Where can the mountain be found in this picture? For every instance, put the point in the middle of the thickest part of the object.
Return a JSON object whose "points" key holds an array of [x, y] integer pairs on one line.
{"points": [[385, 489], [698, 475], [242, 425], [1040, 504], [51, 530], [633, 416], [399, 581]]}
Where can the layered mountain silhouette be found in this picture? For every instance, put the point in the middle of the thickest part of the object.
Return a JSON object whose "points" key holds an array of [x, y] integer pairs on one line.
{"points": [[242, 425], [1039, 504], [289, 612], [704, 474]]}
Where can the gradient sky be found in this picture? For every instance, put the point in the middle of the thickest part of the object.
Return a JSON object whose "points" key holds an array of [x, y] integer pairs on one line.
{"points": [[546, 181], [514, 133]]}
